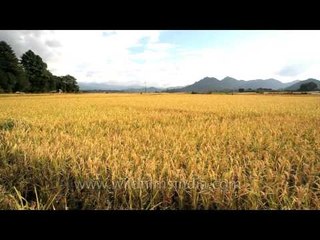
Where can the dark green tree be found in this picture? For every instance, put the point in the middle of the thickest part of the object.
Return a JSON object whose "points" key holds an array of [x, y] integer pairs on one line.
{"points": [[60, 84], [37, 72], [12, 77], [30, 74], [52, 82], [23, 83], [69, 84], [310, 86]]}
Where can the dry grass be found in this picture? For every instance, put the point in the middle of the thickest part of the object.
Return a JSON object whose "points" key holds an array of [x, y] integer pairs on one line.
{"points": [[248, 152]]}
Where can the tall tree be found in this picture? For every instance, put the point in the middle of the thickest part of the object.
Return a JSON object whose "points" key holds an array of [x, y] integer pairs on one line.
{"points": [[37, 72], [70, 84], [23, 83], [60, 83], [30, 74], [52, 83], [12, 77]]}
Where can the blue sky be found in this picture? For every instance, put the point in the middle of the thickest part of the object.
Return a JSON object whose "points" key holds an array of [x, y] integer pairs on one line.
{"points": [[198, 39], [172, 58]]}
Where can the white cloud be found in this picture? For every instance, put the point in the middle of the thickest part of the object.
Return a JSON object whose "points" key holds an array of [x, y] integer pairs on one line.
{"points": [[112, 56]]}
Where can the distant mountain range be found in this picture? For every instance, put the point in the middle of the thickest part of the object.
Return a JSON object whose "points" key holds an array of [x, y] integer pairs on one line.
{"points": [[297, 85], [231, 84], [207, 84], [92, 86]]}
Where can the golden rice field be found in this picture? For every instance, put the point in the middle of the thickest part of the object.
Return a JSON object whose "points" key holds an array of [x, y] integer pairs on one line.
{"points": [[159, 151]]}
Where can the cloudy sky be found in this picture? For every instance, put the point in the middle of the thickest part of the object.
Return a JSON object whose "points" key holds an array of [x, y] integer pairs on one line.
{"points": [[172, 58]]}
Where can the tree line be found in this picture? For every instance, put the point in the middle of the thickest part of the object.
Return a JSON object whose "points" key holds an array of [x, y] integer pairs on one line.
{"points": [[30, 74]]}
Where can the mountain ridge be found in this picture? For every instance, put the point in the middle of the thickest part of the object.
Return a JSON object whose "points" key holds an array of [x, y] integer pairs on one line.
{"points": [[207, 84], [231, 84], [297, 85]]}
